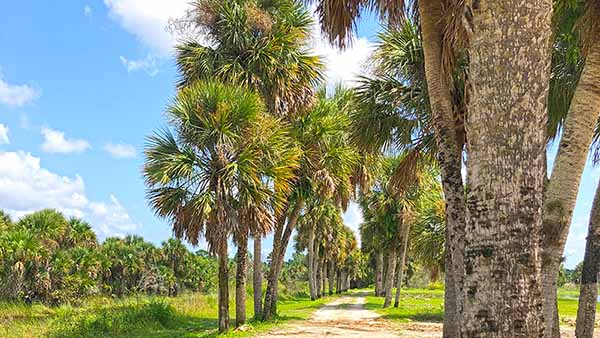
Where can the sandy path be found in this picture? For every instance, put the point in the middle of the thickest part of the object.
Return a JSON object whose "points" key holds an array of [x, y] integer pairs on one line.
{"points": [[345, 317]]}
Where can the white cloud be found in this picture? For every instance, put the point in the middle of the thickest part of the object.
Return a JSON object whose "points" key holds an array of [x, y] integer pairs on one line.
{"points": [[87, 11], [148, 20], [16, 95], [352, 218], [343, 66], [147, 64], [120, 150], [56, 142], [4, 134], [25, 187]]}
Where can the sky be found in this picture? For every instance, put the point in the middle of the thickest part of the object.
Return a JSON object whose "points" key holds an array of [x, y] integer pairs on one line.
{"points": [[83, 83]]}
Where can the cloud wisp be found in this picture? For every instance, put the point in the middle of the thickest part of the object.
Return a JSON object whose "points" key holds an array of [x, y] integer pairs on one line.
{"points": [[55, 142]]}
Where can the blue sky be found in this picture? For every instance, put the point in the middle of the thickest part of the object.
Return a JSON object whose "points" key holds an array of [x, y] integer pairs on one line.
{"points": [[82, 83]]}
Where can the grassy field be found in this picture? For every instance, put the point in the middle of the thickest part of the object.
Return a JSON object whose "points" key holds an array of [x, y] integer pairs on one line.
{"points": [[428, 305], [194, 315], [186, 316]]}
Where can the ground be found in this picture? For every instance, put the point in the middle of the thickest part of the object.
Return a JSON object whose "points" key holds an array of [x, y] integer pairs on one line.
{"points": [[356, 314], [350, 316]]}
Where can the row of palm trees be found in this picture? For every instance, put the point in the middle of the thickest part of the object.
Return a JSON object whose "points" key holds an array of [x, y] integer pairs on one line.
{"points": [[52, 259], [216, 178], [500, 190]]}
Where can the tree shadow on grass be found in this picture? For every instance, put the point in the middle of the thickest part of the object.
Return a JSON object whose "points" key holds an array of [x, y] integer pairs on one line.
{"points": [[429, 317]]}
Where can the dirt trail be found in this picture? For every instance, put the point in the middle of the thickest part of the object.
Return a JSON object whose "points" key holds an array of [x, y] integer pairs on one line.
{"points": [[345, 317]]}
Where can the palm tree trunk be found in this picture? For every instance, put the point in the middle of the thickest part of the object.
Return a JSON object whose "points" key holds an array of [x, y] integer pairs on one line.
{"points": [[389, 276], [509, 76], [240, 281], [450, 140], [257, 277], [338, 288], [588, 292], [379, 274], [563, 187], [324, 278], [402, 258], [223, 289], [311, 263], [318, 278], [331, 272], [280, 243]]}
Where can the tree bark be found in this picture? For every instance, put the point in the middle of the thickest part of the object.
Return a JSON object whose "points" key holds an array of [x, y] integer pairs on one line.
{"points": [[588, 292], [323, 278], [561, 193], [402, 258], [389, 276], [240, 281], [338, 282], [450, 144], [277, 256], [318, 277], [223, 289], [379, 274], [509, 76], [331, 272], [311, 263], [257, 278]]}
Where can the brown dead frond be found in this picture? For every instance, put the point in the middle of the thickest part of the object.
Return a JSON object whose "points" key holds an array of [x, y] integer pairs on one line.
{"points": [[406, 172], [258, 18], [456, 20]]}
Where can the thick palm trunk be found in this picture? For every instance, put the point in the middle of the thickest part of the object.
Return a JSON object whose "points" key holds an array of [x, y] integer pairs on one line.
{"points": [[223, 289], [402, 258], [280, 243], [389, 276], [338, 282], [561, 192], [331, 272], [509, 77], [240, 282], [257, 277], [588, 292], [450, 140], [379, 274]]}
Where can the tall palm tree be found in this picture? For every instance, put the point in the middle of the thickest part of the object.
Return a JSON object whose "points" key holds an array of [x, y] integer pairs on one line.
{"points": [[214, 176], [444, 37], [326, 167], [263, 45], [588, 292], [576, 108]]}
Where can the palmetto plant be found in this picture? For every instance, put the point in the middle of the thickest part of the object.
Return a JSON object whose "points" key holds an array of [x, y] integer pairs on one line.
{"points": [[259, 44], [262, 45], [226, 168]]}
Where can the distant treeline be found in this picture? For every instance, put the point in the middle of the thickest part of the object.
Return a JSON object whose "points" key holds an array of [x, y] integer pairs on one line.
{"points": [[49, 258]]}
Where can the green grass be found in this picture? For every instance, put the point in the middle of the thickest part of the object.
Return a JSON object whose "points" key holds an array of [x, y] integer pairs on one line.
{"points": [[428, 306], [187, 316]]}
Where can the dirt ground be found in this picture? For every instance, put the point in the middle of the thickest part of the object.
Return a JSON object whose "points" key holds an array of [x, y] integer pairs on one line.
{"points": [[347, 317]]}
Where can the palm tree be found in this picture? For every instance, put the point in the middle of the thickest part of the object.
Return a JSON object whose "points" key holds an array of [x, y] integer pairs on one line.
{"points": [[588, 292], [212, 178], [576, 110], [325, 170], [264, 46]]}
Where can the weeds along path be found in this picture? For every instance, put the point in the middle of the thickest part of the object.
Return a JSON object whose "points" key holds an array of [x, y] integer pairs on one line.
{"points": [[344, 317]]}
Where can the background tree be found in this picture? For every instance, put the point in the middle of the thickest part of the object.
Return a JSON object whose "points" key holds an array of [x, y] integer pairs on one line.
{"points": [[210, 178]]}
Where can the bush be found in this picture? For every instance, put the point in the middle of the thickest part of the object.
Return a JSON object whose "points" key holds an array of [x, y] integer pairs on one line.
{"points": [[109, 321]]}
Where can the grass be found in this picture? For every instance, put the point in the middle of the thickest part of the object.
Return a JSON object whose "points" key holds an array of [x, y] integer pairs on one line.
{"points": [[190, 315], [428, 306]]}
